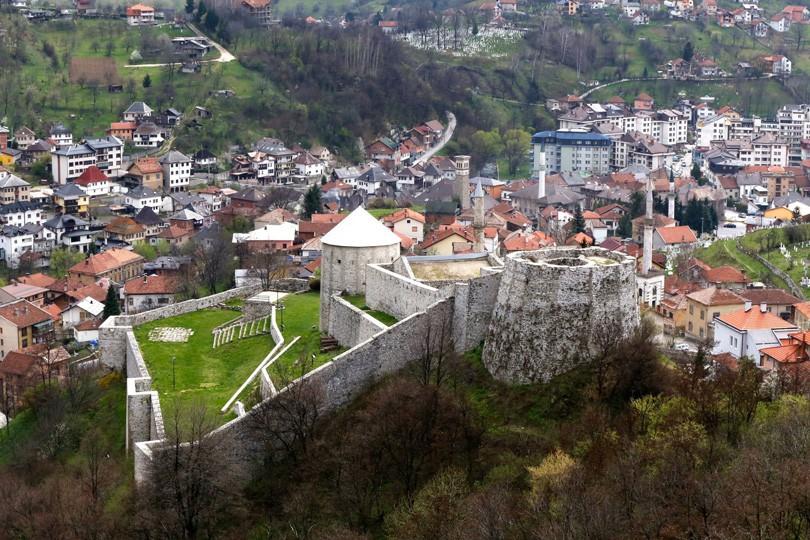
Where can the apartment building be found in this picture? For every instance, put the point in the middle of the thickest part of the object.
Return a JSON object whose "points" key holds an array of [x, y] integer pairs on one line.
{"points": [[573, 151]]}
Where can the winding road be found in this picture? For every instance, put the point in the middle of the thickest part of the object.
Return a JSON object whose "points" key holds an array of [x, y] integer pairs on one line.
{"points": [[224, 54], [448, 134]]}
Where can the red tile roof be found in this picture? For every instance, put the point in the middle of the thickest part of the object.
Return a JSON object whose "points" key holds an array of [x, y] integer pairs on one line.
{"points": [[23, 314], [754, 319], [105, 262], [157, 284], [725, 274], [712, 296], [677, 235], [39, 279], [91, 175], [399, 215]]}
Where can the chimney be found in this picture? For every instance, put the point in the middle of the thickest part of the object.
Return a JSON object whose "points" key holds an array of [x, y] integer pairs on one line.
{"points": [[747, 305], [763, 307]]}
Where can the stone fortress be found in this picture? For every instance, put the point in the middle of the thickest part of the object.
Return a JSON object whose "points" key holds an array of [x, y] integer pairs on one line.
{"points": [[530, 312]]}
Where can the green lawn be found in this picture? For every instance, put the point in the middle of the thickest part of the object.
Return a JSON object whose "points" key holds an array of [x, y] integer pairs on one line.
{"points": [[359, 301], [301, 318], [201, 373]]}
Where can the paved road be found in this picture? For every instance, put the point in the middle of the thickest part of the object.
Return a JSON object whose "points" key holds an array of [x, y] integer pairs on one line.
{"points": [[448, 134], [224, 54]]}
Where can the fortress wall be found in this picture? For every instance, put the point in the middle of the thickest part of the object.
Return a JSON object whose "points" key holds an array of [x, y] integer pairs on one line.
{"points": [[474, 301], [398, 295], [349, 324]]}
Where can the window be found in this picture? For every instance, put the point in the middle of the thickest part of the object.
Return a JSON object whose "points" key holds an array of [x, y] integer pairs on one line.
{"points": [[690, 326], [691, 309], [702, 314]]}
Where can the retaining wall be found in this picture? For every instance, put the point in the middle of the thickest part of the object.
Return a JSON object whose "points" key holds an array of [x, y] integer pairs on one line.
{"points": [[349, 324], [398, 295]]}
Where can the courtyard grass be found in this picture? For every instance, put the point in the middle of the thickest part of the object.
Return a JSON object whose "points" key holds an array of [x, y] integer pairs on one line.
{"points": [[301, 317], [201, 373], [359, 301]]}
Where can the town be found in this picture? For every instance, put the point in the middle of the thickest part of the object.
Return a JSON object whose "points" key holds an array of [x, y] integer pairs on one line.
{"points": [[285, 270]]}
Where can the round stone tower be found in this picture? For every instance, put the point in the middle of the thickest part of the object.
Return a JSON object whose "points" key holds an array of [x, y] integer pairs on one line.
{"points": [[355, 242], [549, 305]]}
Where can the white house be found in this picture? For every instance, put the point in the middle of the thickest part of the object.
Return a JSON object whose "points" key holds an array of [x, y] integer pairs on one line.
{"points": [[94, 182], [20, 213], [744, 333], [140, 14], [308, 165], [69, 162], [141, 196], [87, 308], [14, 241], [176, 171], [148, 292]]}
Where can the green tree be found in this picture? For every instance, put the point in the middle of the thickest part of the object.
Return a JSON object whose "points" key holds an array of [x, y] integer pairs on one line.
{"points": [[688, 51], [146, 251], [579, 221], [111, 306], [697, 174], [485, 146], [62, 259], [189, 6], [201, 11], [625, 228], [147, 81], [312, 201], [515, 145]]}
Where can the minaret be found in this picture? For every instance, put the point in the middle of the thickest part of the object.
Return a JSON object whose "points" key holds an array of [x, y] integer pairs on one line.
{"points": [[540, 170], [649, 221], [462, 182], [478, 218], [671, 196]]}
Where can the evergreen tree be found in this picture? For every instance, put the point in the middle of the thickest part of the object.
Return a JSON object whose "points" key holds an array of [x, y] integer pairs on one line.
{"points": [[637, 205], [312, 201], [697, 174], [147, 81], [579, 221], [189, 6], [201, 11], [625, 228], [688, 51], [111, 306]]}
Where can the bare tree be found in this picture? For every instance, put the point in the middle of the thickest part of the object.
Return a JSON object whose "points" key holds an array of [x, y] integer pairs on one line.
{"points": [[191, 483], [285, 423]]}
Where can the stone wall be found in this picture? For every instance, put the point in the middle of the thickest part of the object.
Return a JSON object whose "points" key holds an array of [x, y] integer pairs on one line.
{"points": [[398, 295], [474, 302], [550, 303], [344, 378], [350, 325], [144, 419], [344, 269]]}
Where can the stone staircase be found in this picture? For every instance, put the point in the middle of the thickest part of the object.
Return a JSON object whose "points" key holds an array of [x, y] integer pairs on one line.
{"points": [[328, 343]]}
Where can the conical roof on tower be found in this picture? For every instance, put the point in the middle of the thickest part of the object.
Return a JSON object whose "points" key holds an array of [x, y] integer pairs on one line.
{"points": [[479, 190], [360, 229]]}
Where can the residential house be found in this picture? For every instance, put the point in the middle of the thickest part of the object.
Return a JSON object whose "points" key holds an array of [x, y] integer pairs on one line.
{"points": [[258, 10], [61, 135], [13, 188], [118, 265], [94, 182], [406, 222], [141, 197], [705, 305], [70, 231], [204, 159], [140, 15], [744, 332], [122, 130], [777, 302], [137, 112], [22, 324], [176, 171], [149, 292], [269, 238], [148, 172], [776, 64], [149, 135], [86, 309], [14, 243], [666, 238], [125, 229], [71, 199], [24, 137], [21, 371], [69, 162]]}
